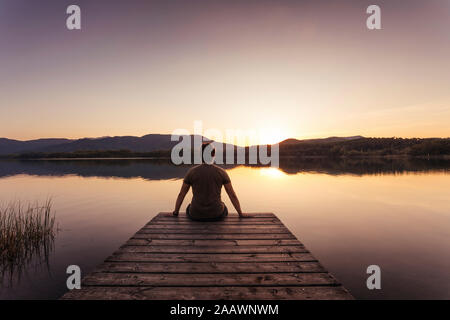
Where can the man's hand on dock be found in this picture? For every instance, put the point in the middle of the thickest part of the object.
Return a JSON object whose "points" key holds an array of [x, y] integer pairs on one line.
{"points": [[244, 215], [175, 213]]}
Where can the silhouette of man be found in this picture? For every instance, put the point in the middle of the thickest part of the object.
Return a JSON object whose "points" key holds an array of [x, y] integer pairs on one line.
{"points": [[206, 181]]}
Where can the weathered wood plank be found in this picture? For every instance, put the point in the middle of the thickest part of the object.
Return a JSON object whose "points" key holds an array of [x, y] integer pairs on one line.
{"points": [[227, 219], [212, 242], [215, 223], [240, 228], [208, 280], [230, 215], [210, 267], [214, 230], [211, 236], [250, 216], [212, 249], [217, 257], [212, 293]]}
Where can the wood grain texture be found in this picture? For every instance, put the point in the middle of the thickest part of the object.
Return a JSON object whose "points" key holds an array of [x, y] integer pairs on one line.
{"points": [[210, 293], [202, 257], [211, 249], [214, 236], [252, 221], [210, 267], [230, 215], [209, 280], [212, 242], [209, 230]]}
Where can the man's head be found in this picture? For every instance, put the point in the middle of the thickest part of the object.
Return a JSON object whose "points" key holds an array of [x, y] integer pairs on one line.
{"points": [[208, 156]]}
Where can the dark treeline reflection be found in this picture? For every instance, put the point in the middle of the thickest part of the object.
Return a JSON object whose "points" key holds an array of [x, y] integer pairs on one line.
{"points": [[363, 166], [162, 169]]}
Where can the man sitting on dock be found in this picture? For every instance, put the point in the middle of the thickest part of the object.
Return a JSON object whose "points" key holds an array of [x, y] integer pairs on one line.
{"points": [[207, 180]]}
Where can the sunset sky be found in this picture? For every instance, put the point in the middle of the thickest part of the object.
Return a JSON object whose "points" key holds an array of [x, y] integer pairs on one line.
{"points": [[300, 69]]}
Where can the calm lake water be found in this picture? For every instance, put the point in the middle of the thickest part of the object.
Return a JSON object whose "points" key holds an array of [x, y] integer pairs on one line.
{"points": [[349, 214]]}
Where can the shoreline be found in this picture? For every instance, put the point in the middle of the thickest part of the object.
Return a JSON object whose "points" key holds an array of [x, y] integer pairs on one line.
{"points": [[300, 157]]}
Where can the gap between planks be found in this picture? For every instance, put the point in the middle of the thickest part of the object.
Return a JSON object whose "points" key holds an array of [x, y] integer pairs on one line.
{"points": [[210, 267]]}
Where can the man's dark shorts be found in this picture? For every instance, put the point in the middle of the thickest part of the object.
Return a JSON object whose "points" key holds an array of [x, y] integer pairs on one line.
{"points": [[222, 216]]}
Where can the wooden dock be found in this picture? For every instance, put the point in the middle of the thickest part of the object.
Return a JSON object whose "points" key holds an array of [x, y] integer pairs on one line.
{"points": [[174, 258]]}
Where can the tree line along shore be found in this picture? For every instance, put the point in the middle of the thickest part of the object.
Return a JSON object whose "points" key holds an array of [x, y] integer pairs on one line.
{"points": [[363, 147]]}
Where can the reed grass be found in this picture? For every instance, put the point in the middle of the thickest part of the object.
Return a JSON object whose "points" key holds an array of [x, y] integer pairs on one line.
{"points": [[26, 232]]}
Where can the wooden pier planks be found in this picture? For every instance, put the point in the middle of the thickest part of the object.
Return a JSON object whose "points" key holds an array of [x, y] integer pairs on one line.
{"points": [[174, 258]]}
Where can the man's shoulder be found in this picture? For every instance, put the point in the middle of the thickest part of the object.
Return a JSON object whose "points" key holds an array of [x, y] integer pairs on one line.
{"points": [[190, 175], [223, 173], [218, 168], [203, 166], [193, 169]]}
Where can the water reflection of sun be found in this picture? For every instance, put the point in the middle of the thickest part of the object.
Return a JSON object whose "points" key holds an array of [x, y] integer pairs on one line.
{"points": [[272, 172]]}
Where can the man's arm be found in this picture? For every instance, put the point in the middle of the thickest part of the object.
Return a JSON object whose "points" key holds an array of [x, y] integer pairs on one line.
{"points": [[184, 190], [234, 199]]}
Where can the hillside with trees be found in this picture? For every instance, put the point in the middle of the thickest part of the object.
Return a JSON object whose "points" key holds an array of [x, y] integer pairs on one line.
{"points": [[363, 147], [333, 147]]}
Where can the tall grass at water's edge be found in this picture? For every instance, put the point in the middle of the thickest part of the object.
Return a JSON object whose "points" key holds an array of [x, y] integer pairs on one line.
{"points": [[26, 231]]}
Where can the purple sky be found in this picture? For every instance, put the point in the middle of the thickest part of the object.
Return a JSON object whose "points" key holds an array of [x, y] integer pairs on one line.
{"points": [[297, 68]]}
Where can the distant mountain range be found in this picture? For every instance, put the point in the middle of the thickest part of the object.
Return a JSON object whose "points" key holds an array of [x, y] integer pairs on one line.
{"points": [[159, 145], [322, 140], [9, 146], [147, 143]]}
